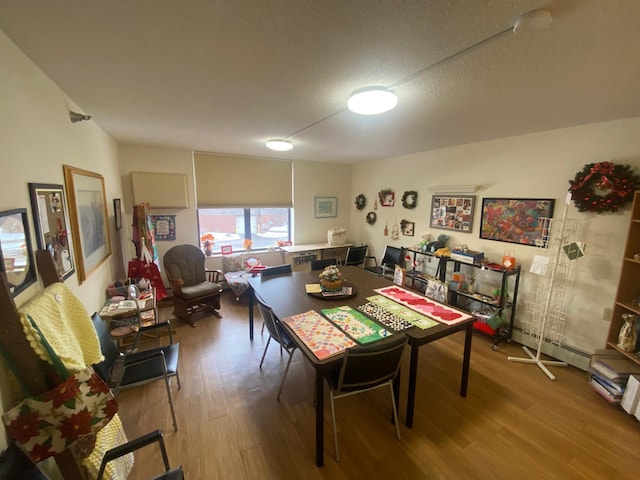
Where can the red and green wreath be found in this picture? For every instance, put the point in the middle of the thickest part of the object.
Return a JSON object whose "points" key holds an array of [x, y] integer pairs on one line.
{"points": [[603, 187]]}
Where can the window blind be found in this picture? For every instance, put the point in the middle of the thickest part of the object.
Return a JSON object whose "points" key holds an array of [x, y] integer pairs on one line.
{"points": [[224, 181]]}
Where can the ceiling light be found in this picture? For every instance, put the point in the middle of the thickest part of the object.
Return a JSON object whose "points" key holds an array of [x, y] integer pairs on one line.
{"points": [[279, 145], [372, 100]]}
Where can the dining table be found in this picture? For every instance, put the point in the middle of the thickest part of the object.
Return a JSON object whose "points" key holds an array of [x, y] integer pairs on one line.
{"points": [[287, 296]]}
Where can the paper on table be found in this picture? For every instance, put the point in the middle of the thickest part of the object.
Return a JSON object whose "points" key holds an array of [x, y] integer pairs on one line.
{"points": [[539, 264], [312, 288]]}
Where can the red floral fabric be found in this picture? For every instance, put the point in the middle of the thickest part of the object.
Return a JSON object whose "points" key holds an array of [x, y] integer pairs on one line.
{"points": [[73, 411]]}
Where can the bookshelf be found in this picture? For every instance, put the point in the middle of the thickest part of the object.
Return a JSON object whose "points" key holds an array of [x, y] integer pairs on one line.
{"points": [[628, 293]]}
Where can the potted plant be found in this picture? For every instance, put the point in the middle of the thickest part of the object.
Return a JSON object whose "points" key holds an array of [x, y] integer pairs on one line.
{"points": [[331, 279], [207, 243]]}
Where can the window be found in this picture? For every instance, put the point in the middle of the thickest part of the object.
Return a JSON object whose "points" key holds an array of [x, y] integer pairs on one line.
{"points": [[231, 226]]}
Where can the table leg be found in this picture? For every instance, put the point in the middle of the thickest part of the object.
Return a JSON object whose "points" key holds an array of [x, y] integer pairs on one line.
{"points": [[319, 418], [411, 394], [250, 314], [464, 381]]}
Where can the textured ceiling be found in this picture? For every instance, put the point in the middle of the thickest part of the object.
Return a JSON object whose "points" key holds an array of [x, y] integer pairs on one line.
{"points": [[224, 76]]}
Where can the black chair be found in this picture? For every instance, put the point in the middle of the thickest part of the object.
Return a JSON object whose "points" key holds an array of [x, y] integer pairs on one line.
{"points": [[392, 256], [320, 264], [356, 256], [366, 368], [133, 369], [136, 444], [278, 333], [277, 270]]}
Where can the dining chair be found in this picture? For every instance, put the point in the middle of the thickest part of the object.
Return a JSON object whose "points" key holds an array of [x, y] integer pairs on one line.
{"points": [[324, 262], [364, 369], [131, 369], [392, 256], [356, 256], [277, 333], [277, 270], [136, 444], [147, 317]]}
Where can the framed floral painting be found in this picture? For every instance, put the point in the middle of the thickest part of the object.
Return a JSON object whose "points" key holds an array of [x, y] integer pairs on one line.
{"points": [[516, 220]]}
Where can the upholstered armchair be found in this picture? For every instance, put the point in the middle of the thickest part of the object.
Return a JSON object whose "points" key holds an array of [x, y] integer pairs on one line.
{"points": [[194, 287]]}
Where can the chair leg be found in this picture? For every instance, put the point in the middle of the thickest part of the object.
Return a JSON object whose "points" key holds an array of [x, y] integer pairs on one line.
{"points": [[284, 375], [166, 382], [395, 412], [265, 351], [335, 431]]}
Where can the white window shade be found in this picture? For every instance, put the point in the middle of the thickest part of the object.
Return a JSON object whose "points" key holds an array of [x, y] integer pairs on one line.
{"points": [[241, 182]]}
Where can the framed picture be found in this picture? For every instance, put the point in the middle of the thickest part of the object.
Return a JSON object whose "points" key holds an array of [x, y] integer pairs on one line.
{"points": [[50, 217], [387, 197], [117, 213], [164, 226], [452, 212], [226, 249], [326, 207], [516, 220], [16, 256], [88, 214], [408, 228]]}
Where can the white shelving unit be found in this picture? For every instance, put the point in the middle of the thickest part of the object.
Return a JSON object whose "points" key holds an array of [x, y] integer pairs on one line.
{"points": [[546, 310]]}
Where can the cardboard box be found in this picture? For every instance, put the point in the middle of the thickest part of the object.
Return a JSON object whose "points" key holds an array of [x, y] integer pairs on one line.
{"points": [[469, 256]]}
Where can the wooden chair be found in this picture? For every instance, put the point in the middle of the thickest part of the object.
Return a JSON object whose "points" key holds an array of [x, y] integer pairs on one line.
{"points": [[194, 288]]}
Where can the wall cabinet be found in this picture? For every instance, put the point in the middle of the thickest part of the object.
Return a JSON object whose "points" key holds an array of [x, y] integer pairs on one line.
{"points": [[628, 294]]}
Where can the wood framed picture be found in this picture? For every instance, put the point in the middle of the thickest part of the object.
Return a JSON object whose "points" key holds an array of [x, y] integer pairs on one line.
{"points": [[88, 214], [326, 207], [408, 228], [50, 217], [452, 212], [516, 220]]}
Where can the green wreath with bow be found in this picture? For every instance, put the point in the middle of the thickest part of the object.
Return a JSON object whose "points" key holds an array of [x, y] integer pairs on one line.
{"points": [[361, 201], [603, 187]]}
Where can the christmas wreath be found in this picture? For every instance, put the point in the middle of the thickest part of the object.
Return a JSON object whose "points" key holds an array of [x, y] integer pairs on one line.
{"points": [[361, 201], [603, 187], [371, 218], [410, 199]]}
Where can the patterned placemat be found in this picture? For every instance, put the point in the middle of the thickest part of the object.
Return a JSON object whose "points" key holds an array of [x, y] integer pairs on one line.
{"points": [[355, 324], [417, 320], [319, 335], [426, 306], [384, 317]]}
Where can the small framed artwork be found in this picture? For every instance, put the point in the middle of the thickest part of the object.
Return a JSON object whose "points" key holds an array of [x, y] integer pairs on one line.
{"points": [[452, 212], [387, 197], [226, 249], [51, 220], [165, 227], [117, 213], [88, 214], [326, 207], [407, 227], [516, 220]]}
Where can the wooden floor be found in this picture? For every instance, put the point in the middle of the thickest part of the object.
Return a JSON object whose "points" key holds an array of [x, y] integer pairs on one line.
{"points": [[514, 424]]}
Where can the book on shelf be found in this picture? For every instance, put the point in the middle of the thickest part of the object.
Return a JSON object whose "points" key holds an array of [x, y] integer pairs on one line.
{"points": [[604, 392], [615, 368]]}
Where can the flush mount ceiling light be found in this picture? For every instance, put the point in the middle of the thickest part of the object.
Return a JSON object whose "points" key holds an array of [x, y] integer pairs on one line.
{"points": [[279, 145], [372, 100]]}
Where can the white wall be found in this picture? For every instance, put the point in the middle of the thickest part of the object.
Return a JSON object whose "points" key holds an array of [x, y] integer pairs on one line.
{"points": [[36, 140], [538, 165]]}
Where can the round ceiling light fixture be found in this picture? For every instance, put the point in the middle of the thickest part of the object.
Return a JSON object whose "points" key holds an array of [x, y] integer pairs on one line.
{"points": [[279, 145], [372, 100]]}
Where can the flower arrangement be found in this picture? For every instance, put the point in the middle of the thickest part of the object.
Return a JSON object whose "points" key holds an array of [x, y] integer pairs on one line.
{"points": [[248, 243], [207, 243], [331, 278]]}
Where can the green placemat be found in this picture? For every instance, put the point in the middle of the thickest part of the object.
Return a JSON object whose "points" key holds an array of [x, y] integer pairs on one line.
{"points": [[355, 324], [417, 320]]}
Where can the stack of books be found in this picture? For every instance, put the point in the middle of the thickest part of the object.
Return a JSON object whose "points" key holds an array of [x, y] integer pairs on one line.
{"points": [[609, 372]]}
